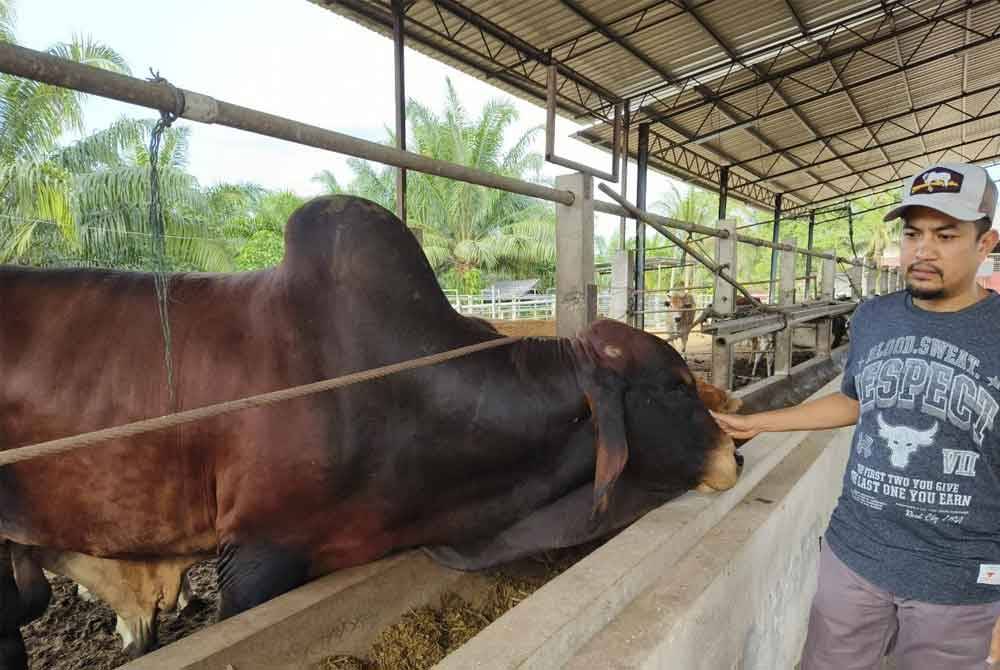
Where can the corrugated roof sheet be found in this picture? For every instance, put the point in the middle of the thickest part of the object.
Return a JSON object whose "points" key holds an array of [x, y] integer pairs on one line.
{"points": [[767, 76]]}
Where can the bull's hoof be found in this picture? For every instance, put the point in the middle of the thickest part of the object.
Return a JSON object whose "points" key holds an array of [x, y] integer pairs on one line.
{"points": [[138, 635]]}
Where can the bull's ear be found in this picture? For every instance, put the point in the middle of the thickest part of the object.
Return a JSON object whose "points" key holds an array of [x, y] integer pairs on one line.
{"points": [[607, 408]]}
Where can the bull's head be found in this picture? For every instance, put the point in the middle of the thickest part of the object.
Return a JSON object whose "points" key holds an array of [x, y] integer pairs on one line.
{"points": [[904, 441], [648, 415]]}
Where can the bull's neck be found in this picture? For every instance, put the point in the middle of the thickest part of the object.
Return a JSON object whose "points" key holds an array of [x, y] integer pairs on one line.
{"points": [[548, 362]]}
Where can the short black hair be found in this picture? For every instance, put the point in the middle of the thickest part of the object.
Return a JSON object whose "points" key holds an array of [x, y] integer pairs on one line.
{"points": [[983, 226]]}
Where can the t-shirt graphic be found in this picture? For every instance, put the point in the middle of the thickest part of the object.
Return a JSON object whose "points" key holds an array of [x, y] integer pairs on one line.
{"points": [[920, 509]]}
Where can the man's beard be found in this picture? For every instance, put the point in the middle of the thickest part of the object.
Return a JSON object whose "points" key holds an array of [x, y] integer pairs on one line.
{"points": [[924, 293]]}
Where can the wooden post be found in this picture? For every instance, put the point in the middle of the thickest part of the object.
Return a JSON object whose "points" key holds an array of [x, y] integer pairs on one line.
{"points": [[824, 329], [786, 297], [724, 300], [574, 255]]}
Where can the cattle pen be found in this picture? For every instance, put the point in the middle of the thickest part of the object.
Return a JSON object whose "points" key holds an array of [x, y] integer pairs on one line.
{"points": [[696, 583]]}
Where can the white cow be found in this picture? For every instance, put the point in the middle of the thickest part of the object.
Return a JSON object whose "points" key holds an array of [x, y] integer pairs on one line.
{"points": [[903, 441]]}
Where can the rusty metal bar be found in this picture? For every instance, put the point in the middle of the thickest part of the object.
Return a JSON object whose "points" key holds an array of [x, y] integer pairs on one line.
{"points": [[398, 35], [23, 62], [618, 210]]}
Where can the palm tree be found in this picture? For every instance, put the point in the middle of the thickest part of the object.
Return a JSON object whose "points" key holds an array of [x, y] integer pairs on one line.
{"points": [[693, 205], [88, 202], [467, 230]]}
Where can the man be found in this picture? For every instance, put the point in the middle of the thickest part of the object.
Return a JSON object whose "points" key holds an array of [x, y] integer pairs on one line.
{"points": [[911, 557]]}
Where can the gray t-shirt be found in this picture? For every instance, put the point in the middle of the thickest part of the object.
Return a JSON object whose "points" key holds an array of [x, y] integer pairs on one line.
{"points": [[919, 515]]}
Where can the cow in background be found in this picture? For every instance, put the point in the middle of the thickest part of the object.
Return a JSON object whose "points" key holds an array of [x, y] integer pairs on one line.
{"points": [[684, 317]]}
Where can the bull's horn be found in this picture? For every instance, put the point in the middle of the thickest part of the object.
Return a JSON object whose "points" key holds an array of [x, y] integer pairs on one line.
{"points": [[881, 422], [930, 432]]}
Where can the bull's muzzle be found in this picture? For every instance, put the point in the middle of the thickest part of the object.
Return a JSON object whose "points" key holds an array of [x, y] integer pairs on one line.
{"points": [[722, 468]]}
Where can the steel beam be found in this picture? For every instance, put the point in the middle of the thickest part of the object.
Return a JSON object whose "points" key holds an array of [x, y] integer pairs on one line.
{"points": [[733, 112], [723, 190], [642, 176], [911, 158], [829, 56], [877, 124], [810, 280], [398, 35], [775, 232], [888, 143]]}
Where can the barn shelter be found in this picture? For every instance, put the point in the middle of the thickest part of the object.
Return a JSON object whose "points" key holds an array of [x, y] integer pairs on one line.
{"points": [[713, 92]]}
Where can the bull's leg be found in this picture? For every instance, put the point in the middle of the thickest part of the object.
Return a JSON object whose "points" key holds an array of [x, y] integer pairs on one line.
{"points": [[12, 652], [250, 574], [135, 590]]}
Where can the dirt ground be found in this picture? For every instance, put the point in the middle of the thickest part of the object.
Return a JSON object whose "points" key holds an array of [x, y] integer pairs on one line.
{"points": [[78, 635]]}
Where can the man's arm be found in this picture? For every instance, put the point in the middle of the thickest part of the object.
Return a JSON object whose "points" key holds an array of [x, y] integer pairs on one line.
{"points": [[832, 411]]}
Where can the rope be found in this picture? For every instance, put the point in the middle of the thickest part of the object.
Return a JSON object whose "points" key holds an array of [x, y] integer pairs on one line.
{"points": [[66, 444], [160, 278]]}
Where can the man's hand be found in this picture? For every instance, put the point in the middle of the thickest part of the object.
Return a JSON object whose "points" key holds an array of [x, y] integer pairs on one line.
{"points": [[739, 426], [832, 411]]}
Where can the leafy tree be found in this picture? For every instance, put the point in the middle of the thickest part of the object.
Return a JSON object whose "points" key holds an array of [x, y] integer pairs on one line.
{"points": [[467, 231], [87, 203]]}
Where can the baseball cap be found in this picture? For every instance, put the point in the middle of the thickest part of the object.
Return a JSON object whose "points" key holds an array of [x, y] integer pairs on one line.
{"points": [[960, 190]]}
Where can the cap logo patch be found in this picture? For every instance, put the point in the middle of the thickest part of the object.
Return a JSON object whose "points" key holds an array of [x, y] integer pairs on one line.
{"points": [[937, 180]]}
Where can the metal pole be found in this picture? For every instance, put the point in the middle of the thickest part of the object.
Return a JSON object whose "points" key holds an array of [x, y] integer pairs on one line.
{"points": [[642, 169], [774, 252], [723, 190], [617, 209], [22, 62], [623, 218], [398, 12], [810, 282]]}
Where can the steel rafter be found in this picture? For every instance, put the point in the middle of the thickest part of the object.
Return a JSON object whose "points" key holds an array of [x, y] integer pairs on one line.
{"points": [[576, 91], [935, 156], [658, 69], [868, 80], [663, 148], [566, 55], [877, 125], [880, 146], [732, 112], [815, 60]]}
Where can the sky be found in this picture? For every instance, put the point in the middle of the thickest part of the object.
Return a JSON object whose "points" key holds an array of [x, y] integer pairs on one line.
{"points": [[285, 57]]}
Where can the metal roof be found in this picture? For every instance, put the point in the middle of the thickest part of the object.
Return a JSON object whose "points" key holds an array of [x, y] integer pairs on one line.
{"points": [[814, 99]]}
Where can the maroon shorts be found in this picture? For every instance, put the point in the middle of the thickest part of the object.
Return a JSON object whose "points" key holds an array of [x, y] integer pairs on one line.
{"points": [[853, 624]]}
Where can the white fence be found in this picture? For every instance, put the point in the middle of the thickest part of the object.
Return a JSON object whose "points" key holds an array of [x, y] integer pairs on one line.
{"points": [[658, 315]]}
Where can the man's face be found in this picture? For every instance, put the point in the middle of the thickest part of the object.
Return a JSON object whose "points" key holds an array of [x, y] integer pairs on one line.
{"points": [[940, 254]]}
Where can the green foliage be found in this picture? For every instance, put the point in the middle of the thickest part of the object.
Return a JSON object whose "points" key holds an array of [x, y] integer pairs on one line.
{"points": [[468, 232], [87, 203]]}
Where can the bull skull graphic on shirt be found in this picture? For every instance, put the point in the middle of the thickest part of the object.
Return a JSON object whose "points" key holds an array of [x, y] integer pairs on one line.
{"points": [[903, 441]]}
